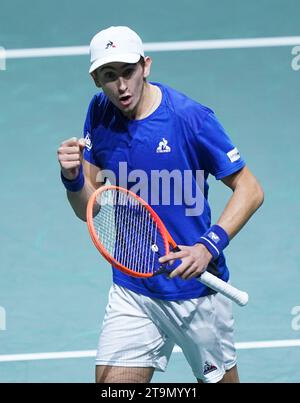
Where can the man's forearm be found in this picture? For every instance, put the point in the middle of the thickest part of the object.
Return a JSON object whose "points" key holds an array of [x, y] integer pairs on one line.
{"points": [[247, 197], [79, 200]]}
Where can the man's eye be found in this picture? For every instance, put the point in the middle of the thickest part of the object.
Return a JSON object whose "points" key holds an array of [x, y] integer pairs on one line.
{"points": [[128, 72], [110, 76]]}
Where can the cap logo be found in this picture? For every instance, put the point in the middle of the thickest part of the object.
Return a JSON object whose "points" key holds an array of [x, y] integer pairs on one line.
{"points": [[110, 44]]}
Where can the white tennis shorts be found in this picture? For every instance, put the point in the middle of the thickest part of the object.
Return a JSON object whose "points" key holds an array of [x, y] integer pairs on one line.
{"points": [[139, 331]]}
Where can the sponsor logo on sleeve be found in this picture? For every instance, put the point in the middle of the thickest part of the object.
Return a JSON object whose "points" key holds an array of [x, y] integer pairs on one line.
{"points": [[234, 155], [88, 141]]}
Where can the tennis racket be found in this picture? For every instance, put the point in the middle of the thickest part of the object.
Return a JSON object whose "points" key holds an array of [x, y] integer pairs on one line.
{"points": [[130, 235]]}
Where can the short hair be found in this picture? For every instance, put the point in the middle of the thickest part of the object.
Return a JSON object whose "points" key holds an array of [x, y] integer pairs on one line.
{"points": [[142, 61]]}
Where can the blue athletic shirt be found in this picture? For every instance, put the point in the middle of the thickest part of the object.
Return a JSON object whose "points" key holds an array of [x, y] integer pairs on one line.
{"points": [[180, 136]]}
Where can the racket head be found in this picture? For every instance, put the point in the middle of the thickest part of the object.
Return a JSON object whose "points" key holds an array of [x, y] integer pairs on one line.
{"points": [[127, 231]]}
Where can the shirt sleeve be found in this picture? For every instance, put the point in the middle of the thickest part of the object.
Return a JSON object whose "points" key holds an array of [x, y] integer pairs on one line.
{"points": [[219, 156], [88, 134]]}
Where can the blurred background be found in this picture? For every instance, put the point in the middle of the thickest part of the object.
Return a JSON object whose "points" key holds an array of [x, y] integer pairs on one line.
{"points": [[53, 282]]}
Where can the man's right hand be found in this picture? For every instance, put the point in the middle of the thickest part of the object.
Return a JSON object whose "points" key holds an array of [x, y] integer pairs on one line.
{"points": [[70, 157]]}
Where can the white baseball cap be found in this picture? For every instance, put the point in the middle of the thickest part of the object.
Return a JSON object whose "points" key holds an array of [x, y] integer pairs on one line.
{"points": [[115, 44]]}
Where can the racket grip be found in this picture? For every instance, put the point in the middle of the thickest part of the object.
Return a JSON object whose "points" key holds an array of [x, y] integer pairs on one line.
{"points": [[239, 297]]}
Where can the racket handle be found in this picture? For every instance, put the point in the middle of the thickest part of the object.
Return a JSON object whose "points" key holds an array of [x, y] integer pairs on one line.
{"points": [[239, 297]]}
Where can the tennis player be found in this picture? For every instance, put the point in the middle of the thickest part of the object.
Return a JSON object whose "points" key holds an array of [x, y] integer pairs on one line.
{"points": [[136, 130]]}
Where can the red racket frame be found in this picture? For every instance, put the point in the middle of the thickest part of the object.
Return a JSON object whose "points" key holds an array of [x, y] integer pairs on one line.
{"points": [[168, 240]]}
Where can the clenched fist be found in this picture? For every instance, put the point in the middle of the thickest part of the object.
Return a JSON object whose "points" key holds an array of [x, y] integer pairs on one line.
{"points": [[70, 157]]}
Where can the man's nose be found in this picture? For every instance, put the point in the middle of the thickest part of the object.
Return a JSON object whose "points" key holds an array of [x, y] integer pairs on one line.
{"points": [[122, 84]]}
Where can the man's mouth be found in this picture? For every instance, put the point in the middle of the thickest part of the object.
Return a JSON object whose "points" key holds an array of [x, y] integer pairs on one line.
{"points": [[125, 100]]}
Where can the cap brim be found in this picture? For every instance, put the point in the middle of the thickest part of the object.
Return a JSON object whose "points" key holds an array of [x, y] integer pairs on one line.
{"points": [[122, 58]]}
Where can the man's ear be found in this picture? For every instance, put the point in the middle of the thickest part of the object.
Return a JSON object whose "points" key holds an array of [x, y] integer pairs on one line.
{"points": [[95, 78], [147, 66]]}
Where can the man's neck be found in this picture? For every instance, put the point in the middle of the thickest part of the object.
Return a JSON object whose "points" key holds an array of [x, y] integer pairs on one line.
{"points": [[149, 102]]}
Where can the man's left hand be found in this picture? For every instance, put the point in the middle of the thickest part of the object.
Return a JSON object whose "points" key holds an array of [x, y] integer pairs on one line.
{"points": [[194, 261]]}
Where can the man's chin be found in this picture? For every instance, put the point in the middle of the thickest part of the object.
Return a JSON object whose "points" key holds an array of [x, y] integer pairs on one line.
{"points": [[128, 111]]}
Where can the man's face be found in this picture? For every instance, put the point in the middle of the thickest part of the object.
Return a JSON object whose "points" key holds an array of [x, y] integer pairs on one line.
{"points": [[123, 83]]}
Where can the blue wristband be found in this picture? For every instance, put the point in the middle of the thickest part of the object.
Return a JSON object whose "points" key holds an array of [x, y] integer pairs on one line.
{"points": [[215, 239], [74, 185]]}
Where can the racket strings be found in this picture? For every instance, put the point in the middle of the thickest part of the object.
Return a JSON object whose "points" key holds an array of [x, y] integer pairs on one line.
{"points": [[127, 231]]}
